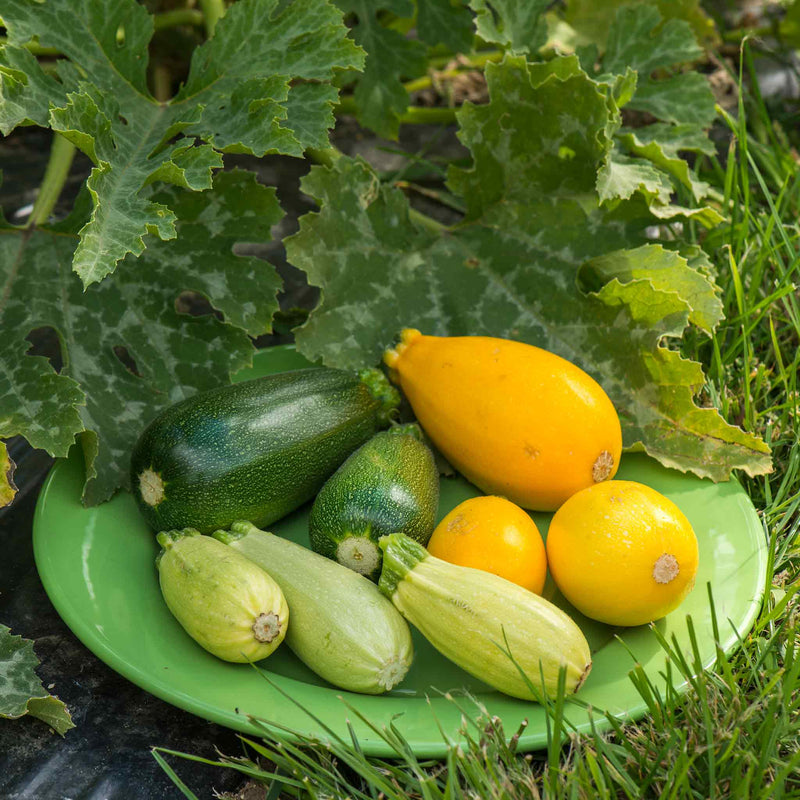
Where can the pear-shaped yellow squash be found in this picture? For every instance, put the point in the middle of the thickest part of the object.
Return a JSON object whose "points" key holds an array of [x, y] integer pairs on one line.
{"points": [[515, 420]]}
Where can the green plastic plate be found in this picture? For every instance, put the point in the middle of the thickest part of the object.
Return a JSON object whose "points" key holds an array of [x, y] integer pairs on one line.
{"points": [[97, 566]]}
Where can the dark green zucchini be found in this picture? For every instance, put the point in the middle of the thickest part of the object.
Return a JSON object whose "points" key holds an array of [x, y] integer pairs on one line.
{"points": [[254, 450], [389, 485]]}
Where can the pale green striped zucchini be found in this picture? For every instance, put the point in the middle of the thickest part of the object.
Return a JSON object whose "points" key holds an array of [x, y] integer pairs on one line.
{"points": [[227, 604], [342, 627], [477, 619]]}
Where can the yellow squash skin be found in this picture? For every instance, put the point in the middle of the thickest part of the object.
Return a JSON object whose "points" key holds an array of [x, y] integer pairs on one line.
{"points": [[515, 420], [493, 534], [622, 553]]}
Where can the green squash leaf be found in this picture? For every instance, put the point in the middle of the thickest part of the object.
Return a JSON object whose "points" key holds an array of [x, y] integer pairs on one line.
{"points": [[248, 91], [621, 176], [517, 25], [641, 39], [8, 489], [592, 19], [511, 269], [128, 344], [684, 99], [379, 95], [668, 271], [21, 690], [647, 159], [446, 22]]}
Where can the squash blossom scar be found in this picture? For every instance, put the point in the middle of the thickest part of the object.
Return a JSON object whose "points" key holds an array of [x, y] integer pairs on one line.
{"points": [[151, 487], [266, 627], [666, 568], [601, 469]]}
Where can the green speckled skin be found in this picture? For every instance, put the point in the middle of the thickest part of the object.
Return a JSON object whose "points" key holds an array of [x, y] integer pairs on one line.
{"points": [[254, 450], [389, 485]]}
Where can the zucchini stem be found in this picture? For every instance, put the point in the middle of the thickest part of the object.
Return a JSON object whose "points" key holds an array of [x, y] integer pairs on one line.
{"points": [[379, 387], [400, 555]]}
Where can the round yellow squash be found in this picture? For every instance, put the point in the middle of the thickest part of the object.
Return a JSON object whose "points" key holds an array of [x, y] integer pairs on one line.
{"points": [[622, 553], [493, 534], [515, 420]]}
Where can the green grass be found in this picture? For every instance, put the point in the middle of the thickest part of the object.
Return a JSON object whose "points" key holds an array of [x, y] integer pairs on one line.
{"points": [[736, 731]]}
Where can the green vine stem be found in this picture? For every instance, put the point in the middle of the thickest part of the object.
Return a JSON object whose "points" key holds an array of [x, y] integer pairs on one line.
{"points": [[424, 115], [414, 115], [178, 16], [162, 83], [472, 61], [424, 221], [33, 47], [738, 34], [213, 11], [327, 157], [62, 152]]}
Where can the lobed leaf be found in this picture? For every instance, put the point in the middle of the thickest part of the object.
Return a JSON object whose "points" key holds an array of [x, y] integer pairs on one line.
{"points": [[21, 690], [510, 269], [591, 19], [379, 94], [642, 39], [446, 22], [8, 489], [261, 85], [668, 271], [128, 346], [518, 25]]}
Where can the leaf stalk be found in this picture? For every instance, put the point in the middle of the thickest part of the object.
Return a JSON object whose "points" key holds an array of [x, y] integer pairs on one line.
{"points": [[178, 16], [414, 115], [62, 152], [213, 11]]}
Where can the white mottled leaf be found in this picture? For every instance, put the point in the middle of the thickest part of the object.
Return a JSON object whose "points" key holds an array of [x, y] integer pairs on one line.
{"points": [[511, 268]]}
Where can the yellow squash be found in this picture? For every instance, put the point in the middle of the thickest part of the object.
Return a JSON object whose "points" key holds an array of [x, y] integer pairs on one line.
{"points": [[493, 534], [622, 553], [516, 420]]}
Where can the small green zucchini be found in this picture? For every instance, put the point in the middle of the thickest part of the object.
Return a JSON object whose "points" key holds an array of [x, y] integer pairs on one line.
{"points": [[490, 627], [254, 450], [227, 604], [342, 627], [389, 485]]}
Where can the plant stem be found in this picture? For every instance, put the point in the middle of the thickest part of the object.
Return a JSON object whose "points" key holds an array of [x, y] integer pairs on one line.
{"points": [[414, 115], [738, 34], [33, 47], [213, 11], [424, 221], [162, 83], [475, 60], [178, 16], [327, 157], [419, 115], [62, 152]]}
